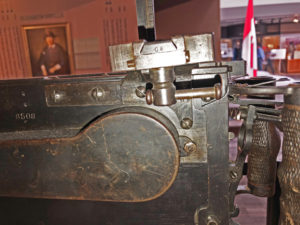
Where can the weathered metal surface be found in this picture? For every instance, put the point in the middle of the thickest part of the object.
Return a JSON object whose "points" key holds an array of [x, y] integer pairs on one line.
{"points": [[95, 138], [175, 207], [145, 13], [179, 50], [236, 168], [200, 176], [289, 169], [262, 156], [260, 171], [262, 163], [84, 94], [218, 168], [260, 91], [26, 114], [109, 161]]}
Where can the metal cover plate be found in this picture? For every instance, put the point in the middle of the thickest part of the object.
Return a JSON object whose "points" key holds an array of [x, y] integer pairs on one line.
{"points": [[122, 157]]}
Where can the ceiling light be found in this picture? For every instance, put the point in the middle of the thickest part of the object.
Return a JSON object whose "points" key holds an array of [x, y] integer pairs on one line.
{"points": [[296, 19]]}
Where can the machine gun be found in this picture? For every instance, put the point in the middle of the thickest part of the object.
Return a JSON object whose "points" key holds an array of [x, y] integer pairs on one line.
{"points": [[148, 145]]}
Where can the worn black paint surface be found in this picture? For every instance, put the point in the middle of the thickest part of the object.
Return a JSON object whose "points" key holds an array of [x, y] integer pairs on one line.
{"points": [[124, 157], [29, 96], [200, 185], [176, 206]]}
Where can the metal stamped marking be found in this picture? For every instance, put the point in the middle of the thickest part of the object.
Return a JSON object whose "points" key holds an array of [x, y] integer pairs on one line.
{"points": [[25, 116]]}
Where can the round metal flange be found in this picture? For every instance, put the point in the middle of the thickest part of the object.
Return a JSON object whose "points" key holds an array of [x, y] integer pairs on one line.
{"points": [[140, 150]]}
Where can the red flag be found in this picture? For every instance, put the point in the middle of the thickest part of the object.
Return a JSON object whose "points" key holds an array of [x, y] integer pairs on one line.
{"points": [[249, 50]]}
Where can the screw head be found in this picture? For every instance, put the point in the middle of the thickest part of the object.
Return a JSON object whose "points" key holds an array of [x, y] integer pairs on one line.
{"points": [[190, 147], [140, 91], [57, 96], [186, 123], [207, 99], [211, 221], [231, 135], [233, 175], [99, 93]]}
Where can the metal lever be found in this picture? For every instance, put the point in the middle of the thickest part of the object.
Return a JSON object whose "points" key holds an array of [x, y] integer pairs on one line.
{"points": [[211, 92], [164, 92]]}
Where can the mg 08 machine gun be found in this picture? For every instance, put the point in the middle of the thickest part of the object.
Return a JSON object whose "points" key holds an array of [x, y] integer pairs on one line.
{"points": [[149, 145]]}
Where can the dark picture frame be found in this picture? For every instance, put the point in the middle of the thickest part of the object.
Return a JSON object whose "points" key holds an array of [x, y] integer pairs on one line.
{"points": [[35, 45]]}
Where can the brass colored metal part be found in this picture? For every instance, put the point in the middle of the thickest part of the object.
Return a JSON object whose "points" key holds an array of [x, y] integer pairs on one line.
{"points": [[149, 97], [213, 92]]}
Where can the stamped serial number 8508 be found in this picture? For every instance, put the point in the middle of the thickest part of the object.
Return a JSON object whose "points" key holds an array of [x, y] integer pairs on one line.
{"points": [[25, 116]]}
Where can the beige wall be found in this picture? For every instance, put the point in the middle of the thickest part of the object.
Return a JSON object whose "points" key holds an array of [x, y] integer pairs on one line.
{"points": [[93, 20], [192, 17], [94, 23]]}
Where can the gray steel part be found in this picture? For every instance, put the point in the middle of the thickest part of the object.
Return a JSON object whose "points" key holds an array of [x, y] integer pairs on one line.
{"points": [[163, 88], [145, 13], [179, 50]]}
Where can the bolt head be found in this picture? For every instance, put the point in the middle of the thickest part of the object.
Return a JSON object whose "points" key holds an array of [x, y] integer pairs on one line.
{"points": [[211, 221], [233, 175], [99, 93], [207, 99], [190, 147], [231, 135], [186, 123], [57, 96]]}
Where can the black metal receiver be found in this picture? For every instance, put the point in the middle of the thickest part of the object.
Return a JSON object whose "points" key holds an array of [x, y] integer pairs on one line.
{"points": [[147, 146]]}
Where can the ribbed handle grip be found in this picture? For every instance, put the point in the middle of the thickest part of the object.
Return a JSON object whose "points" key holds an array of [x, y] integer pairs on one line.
{"points": [[289, 170], [262, 164]]}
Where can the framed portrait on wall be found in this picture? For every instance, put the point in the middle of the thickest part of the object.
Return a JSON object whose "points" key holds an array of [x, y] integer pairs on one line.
{"points": [[48, 49]]}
